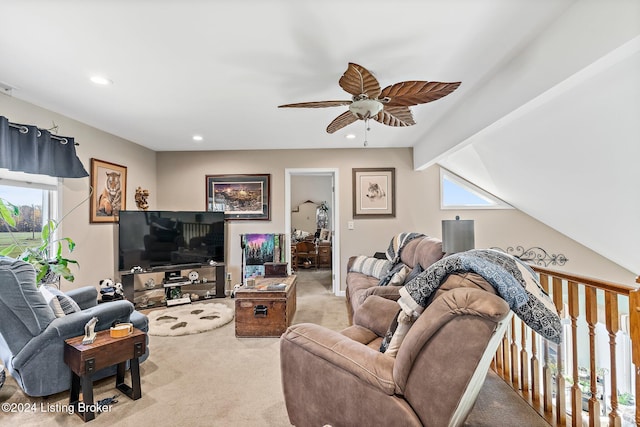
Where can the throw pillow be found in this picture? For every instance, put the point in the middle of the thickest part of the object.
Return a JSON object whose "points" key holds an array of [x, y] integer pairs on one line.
{"points": [[52, 301], [400, 276], [67, 303], [370, 266], [394, 274]]}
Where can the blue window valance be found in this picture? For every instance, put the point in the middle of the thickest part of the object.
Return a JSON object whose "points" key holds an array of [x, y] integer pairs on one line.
{"points": [[26, 148]]}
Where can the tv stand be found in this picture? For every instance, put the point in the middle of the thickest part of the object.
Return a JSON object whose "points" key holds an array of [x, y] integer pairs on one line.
{"points": [[175, 267], [168, 285]]}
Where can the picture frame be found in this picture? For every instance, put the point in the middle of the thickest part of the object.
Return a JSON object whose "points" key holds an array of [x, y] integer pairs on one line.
{"points": [[109, 190], [241, 197], [325, 234], [374, 194]]}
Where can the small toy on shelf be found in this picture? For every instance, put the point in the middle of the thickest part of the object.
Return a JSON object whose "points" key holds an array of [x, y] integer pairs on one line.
{"points": [[110, 291]]}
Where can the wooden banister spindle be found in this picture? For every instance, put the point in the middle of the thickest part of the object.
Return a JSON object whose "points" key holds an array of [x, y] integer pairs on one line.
{"points": [[515, 371], [591, 308], [613, 325], [535, 368], [498, 359], [546, 370], [634, 323], [506, 364], [524, 359], [561, 404], [576, 393]]}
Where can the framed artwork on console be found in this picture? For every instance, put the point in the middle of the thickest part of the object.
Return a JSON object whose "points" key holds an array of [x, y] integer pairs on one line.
{"points": [[108, 195], [240, 196], [374, 193]]}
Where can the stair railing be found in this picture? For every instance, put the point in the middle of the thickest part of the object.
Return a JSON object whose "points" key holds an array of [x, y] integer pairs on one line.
{"points": [[601, 323]]}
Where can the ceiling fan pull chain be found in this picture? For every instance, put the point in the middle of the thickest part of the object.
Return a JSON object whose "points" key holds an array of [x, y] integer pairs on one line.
{"points": [[366, 129]]}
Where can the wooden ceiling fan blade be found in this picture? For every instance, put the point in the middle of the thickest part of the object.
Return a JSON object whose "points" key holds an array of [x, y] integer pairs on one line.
{"points": [[416, 92], [358, 80], [316, 104], [341, 121], [395, 116]]}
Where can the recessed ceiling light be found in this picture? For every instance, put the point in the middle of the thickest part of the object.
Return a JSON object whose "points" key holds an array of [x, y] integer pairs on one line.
{"points": [[197, 138], [100, 80], [350, 136]]}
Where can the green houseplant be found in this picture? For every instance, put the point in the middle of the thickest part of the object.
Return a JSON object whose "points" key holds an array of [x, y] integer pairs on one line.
{"points": [[47, 262]]}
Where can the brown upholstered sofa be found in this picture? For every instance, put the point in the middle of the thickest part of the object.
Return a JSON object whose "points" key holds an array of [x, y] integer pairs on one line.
{"points": [[342, 379], [422, 251]]}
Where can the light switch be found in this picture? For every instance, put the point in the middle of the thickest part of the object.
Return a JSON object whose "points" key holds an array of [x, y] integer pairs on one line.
{"points": [[350, 225]]}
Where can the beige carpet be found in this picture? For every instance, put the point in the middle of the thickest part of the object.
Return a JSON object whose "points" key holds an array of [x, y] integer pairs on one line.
{"points": [[215, 379]]}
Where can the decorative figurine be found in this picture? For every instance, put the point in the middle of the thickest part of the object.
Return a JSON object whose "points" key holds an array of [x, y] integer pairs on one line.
{"points": [[141, 198], [110, 291], [89, 331]]}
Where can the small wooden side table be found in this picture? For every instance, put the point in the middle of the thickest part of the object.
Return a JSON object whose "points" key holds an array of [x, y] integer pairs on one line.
{"points": [[85, 359]]}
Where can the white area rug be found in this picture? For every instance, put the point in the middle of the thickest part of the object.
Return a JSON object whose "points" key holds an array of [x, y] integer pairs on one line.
{"points": [[189, 319]]}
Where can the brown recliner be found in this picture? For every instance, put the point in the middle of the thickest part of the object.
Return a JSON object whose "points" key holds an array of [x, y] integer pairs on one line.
{"points": [[342, 379]]}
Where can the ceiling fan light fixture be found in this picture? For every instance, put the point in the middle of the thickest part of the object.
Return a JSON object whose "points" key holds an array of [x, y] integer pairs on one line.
{"points": [[389, 106], [366, 108]]}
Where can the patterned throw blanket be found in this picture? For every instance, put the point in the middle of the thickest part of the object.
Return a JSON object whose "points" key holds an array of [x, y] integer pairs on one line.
{"points": [[513, 280], [398, 242]]}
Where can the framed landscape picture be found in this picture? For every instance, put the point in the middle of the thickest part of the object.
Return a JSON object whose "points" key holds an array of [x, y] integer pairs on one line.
{"points": [[108, 196], [374, 193], [239, 196]]}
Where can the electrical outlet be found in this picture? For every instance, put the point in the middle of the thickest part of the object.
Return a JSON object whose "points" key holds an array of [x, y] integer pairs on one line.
{"points": [[350, 225], [228, 276]]}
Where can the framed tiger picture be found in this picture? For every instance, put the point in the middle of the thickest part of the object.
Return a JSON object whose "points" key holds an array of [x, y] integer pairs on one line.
{"points": [[108, 191]]}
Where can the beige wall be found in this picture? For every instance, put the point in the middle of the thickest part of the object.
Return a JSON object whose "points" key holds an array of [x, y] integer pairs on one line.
{"points": [[95, 248], [182, 180], [176, 180]]}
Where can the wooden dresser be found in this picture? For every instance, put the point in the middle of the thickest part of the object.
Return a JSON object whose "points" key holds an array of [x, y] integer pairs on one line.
{"points": [[324, 255]]}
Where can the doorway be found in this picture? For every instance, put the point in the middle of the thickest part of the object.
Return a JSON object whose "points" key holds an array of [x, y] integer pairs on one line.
{"points": [[333, 214]]}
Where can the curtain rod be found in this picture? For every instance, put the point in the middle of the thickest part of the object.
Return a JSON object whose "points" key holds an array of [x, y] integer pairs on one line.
{"points": [[24, 129]]}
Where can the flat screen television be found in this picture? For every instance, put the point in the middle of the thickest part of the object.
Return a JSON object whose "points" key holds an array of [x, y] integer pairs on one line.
{"points": [[163, 238]]}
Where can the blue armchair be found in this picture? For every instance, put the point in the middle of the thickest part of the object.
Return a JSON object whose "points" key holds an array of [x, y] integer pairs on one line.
{"points": [[32, 337]]}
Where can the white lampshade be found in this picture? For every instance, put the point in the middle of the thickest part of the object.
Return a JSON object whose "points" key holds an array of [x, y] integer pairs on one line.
{"points": [[457, 235]]}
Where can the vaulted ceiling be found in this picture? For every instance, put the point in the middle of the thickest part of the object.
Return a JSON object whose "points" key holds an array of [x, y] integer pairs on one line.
{"points": [[546, 117]]}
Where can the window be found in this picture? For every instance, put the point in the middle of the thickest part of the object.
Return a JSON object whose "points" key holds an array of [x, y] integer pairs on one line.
{"points": [[37, 198], [458, 193]]}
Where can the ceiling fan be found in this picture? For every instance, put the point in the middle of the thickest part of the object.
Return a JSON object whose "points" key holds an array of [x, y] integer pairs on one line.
{"points": [[389, 106]]}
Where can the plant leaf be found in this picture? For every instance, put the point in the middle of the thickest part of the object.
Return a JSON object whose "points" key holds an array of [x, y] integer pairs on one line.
{"points": [[6, 251], [8, 212]]}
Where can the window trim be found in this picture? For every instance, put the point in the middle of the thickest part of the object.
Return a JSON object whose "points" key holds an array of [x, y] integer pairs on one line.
{"points": [[496, 203], [53, 186]]}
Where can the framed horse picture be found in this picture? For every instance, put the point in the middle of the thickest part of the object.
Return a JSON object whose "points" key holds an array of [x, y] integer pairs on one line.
{"points": [[108, 191]]}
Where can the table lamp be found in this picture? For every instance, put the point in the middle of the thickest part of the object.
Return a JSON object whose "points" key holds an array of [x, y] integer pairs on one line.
{"points": [[457, 235]]}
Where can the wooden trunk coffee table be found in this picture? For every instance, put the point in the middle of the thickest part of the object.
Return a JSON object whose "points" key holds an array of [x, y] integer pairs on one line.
{"points": [[267, 309], [85, 359]]}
